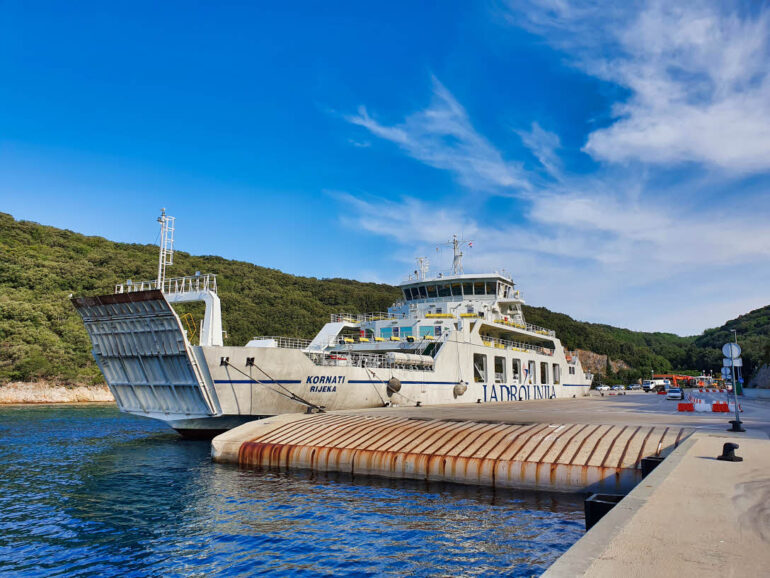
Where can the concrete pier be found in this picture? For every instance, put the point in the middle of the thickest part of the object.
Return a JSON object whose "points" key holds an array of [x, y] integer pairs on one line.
{"points": [[692, 516], [543, 456]]}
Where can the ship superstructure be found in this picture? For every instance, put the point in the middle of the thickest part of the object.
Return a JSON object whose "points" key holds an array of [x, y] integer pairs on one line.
{"points": [[452, 338]]}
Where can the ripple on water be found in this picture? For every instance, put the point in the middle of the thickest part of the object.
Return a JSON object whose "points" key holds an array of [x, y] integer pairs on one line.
{"points": [[90, 491]]}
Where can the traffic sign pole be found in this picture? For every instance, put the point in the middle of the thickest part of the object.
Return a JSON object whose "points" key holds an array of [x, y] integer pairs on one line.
{"points": [[733, 352]]}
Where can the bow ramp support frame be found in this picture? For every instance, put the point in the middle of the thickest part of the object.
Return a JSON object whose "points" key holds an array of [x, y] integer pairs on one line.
{"points": [[140, 346], [543, 456]]}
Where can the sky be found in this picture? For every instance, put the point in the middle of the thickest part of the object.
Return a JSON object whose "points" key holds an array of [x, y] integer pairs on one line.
{"points": [[614, 158]]}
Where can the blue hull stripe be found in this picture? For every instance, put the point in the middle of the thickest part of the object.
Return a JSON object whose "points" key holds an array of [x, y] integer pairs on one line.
{"points": [[257, 380], [407, 382]]}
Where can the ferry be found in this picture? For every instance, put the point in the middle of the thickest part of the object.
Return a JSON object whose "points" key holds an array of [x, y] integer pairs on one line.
{"points": [[452, 338]]}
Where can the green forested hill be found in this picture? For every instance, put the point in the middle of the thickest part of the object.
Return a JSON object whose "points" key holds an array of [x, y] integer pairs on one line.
{"points": [[41, 336]]}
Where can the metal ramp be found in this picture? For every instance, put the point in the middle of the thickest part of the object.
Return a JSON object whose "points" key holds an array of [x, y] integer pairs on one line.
{"points": [[140, 347]]}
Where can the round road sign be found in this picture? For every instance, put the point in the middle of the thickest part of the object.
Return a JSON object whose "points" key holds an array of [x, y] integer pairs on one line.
{"points": [[731, 350]]}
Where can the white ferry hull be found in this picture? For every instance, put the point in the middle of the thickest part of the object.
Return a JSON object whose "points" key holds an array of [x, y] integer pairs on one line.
{"points": [[153, 371]]}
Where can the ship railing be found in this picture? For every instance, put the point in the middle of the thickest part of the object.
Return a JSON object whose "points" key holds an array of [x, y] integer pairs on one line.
{"points": [[172, 285], [284, 342], [364, 317], [526, 326], [514, 345], [350, 359]]}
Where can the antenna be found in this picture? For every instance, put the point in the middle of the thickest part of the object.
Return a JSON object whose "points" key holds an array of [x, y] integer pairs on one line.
{"points": [[166, 256], [422, 267], [457, 262]]}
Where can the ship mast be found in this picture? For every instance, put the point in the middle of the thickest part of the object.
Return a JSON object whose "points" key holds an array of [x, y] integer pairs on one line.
{"points": [[457, 262], [166, 256]]}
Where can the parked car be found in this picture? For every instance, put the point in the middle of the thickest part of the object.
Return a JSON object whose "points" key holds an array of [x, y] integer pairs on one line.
{"points": [[602, 388], [634, 387], [675, 393], [618, 388]]}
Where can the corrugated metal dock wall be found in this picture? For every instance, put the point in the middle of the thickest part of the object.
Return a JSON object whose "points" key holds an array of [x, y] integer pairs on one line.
{"points": [[560, 457]]}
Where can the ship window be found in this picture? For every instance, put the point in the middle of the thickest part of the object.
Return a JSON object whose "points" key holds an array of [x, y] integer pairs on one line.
{"points": [[478, 288], [479, 367], [423, 294], [516, 370], [407, 294], [491, 288], [406, 332], [531, 371], [543, 372], [432, 291], [572, 371], [395, 331], [444, 290], [437, 330], [439, 310], [468, 289], [470, 308], [499, 369], [457, 290], [386, 332], [556, 374], [426, 330]]}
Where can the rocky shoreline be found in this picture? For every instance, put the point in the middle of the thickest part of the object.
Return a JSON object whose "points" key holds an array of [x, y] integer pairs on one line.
{"points": [[17, 392]]}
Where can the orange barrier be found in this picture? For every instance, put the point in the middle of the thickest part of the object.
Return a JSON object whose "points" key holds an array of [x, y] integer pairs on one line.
{"points": [[686, 406], [720, 406]]}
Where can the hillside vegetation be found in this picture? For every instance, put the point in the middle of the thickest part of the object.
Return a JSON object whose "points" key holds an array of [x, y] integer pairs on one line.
{"points": [[42, 337]]}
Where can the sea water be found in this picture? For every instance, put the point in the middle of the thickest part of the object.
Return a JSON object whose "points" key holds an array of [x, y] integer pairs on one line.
{"points": [[86, 490]]}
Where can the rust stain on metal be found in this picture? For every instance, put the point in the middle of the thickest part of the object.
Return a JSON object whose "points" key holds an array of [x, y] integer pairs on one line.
{"points": [[496, 454]]}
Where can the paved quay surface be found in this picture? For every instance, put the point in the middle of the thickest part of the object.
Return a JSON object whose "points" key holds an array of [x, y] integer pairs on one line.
{"points": [[632, 409], [692, 516]]}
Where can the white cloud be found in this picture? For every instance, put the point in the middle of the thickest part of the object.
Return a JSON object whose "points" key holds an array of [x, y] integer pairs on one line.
{"points": [[442, 137], [697, 74], [615, 246], [543, 145]]}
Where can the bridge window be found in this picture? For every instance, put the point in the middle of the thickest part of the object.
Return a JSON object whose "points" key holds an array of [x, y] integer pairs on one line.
{"points": [[478, 288], [444, 290], [432, 291], [457, 290], [516, 370], [499, 369], [491, 288], [426, 330], [479, 367], [556, 374], [468, 289], [423, 294], [543, 372]]}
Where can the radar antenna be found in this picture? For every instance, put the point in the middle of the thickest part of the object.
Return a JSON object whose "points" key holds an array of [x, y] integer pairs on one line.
{"points": [[457, 262], [166, 256]]}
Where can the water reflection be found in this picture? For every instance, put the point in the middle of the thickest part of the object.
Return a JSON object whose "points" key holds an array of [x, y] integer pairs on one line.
{"points": [[87, 490]]}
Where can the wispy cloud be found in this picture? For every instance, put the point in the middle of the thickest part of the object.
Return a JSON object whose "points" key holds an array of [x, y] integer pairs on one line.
{"points": [[697, 76], [443, 137], [616, 245]]}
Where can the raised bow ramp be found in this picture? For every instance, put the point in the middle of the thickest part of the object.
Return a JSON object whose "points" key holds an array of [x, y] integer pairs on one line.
{"points": [[150, 368], [561, 457]]}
